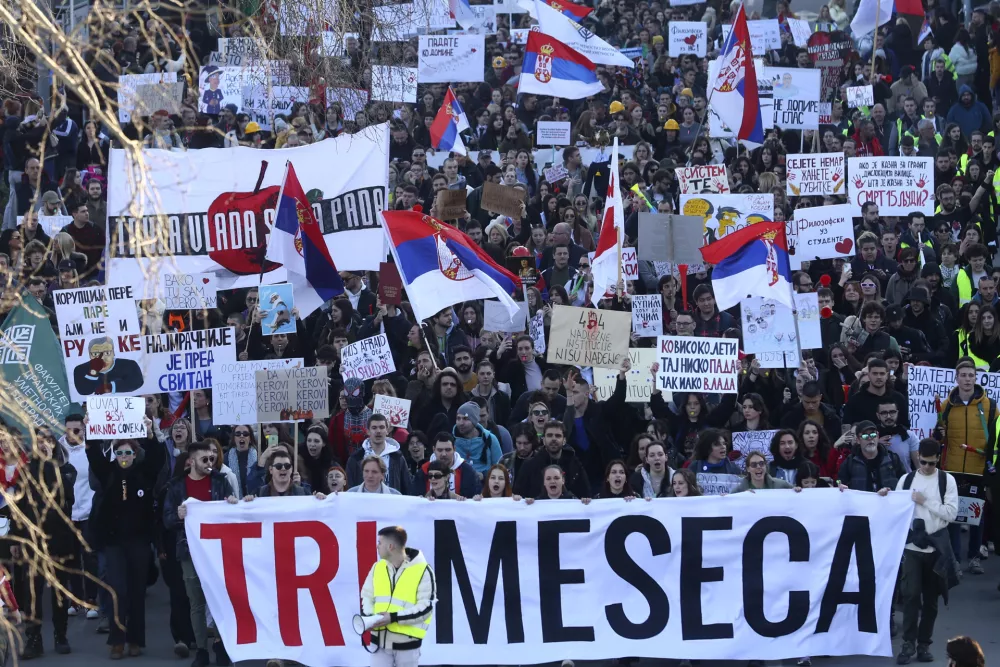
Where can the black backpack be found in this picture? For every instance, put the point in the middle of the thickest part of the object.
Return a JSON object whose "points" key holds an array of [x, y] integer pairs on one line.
{"points": [[942, 482]]}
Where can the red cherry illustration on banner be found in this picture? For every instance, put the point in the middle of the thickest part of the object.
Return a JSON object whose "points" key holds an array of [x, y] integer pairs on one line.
{"points": [[243, 260]]}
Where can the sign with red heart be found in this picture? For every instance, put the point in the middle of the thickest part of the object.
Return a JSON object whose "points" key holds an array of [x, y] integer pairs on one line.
{"points": [[821, 232]]}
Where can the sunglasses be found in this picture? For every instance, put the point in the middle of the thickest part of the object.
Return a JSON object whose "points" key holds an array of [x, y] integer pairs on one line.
{"points": [[435, 475], [281, 466], [929, 464], [539, 413], [869, 436], [241, 434], [757, 464], [125, 452]]}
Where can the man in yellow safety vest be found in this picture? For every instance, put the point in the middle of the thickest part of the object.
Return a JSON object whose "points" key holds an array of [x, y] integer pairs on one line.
{"points": [[400, 590]]}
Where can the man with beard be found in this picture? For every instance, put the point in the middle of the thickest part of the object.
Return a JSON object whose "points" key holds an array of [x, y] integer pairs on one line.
{"points": [[863, 404], [950, 210], [497, 400], [461, 361], [870, 466], [553, 452], [894, 437]]}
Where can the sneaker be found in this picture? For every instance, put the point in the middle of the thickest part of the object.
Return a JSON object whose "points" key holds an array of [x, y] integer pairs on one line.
{"points": [[117, 652], [568, 663], [62, 646], [991, 547], [906, 653], [92, 614], [72, 611], [975, 567], [804, 662], [103, 626], [958, 569], [984, 553], [201, 658], [181, 650], [924, 653]]}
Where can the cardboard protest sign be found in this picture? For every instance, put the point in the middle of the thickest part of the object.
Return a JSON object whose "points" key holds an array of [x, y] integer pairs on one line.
{"points": [[746, 442], [724, 214], [553, 133], [394, 84], [765, 35], [449, 204], [390, 285], [503, 199], [768, 325], [396, 410], [630, 264], [497, 318], [188, 291], [367, 359], [717, 484], [639, 382], [695, 180], [800, 31], [796, 97], [815, 174], [127, 85], [445, 59], [822, 232], [669, 237], [113, 417], [234, 400], [153, 97], [899, 185], [351, 100], [292, 394], [276, 304], [687, 38], [687, 363], [647, 315], [588, 337], [860, 96]]}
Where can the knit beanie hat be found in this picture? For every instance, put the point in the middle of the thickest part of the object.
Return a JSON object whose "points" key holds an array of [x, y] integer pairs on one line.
{"points": [[470, 411]]}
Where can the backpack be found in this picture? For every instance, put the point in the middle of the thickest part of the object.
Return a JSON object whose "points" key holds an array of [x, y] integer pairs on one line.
{"points": [[942, 482]]}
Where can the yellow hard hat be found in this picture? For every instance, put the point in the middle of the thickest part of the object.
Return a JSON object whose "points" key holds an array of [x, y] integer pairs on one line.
{"points": [[616, 107], [671, 125]]}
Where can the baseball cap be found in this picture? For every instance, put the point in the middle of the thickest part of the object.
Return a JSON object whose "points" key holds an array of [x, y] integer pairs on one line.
{"points": [[51, 197], [67, 265]]}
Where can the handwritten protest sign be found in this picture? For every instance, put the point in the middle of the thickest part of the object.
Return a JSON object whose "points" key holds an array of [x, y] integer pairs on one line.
{"points": [[769, 326], [800, 31], [276, 304], [815, 174], [497, 318], [588, 337], [153, 97], [112, 417], [367, 359], [391, 83], [188, 291], [630, 264], [796, 97], [746, 442], [688, 37], [262, 102], [180, 361], [860, 96], [536, 329], [765, 34], [292, 394], [822, 232], [451, 58], [717, 484], [707, 365], [503, 199], [50, 224], [639, 382], [127, 84], [396, 410], [234, 400], [220, 86], [449, 204], [555, 173], [926, 385], [647, 315], [899, 185], [554, 133], [713, 178]]}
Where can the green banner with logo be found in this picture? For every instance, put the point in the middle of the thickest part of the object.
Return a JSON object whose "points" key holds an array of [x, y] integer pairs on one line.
{"points": [[33, 391]]}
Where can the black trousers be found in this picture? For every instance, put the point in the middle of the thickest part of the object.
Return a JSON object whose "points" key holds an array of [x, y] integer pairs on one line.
{"points": [[919, 591], [30, 592], [173, 577], [128, 569], [85, 560]]}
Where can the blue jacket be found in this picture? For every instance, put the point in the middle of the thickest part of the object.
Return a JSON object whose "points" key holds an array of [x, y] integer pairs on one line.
{"points": [[481, 451], [970, 118]]}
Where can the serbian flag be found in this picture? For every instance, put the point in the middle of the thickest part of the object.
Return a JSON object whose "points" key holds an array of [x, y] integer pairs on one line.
{"points": [[865, 20], [608, 257], [733, 94], [552, 68], [570, 9], [462, 11], [297, 243], [752, 261], [449, 122], [440, 266]]}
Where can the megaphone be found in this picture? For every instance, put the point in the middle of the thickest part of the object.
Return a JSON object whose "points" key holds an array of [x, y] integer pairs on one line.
{"points": [[362, 624]]}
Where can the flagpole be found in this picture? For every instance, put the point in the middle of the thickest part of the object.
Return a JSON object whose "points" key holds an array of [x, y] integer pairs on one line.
{"points": [[878, 10], [795, 316]]}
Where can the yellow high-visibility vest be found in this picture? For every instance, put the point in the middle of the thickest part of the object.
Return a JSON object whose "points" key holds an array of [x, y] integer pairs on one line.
{"points": [[401, 596]]}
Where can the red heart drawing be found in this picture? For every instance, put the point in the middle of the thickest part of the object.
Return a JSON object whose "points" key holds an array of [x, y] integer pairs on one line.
{"points": [[844, 247], [205, 281]]}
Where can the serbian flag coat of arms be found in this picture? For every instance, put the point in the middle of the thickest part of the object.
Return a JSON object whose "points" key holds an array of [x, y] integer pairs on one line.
{"points": [[733, 95], [440, 266], [752, 261], [554, 69]]}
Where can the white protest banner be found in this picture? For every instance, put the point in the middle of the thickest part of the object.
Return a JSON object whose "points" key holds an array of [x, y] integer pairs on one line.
{"points": [[188, 291], [822, 232], [351, 100], [497, 318], [765, 34], [815, 174], [638, 381], [486, 18], [221, 86], [292, 394], [724, 214], [746, 442], [244, 47], [927, 387], [800, 31], [825, 113], [127, 84], [860, 96], [262, 103], [282, 578], [768, 325], [647, 315], [367, 359], [708, 365], [99, 329], [687, 37], [432, 15], [899, 185], [210, 211], [717, 484], [112, 417], [234, 384], [553, 133], [394, 84], [396, 410], [183, 361], [449, 58], [695, 180], [796, 97], [536, 329], [50, 224], [588, 337], [275, 309], [630, 264]]}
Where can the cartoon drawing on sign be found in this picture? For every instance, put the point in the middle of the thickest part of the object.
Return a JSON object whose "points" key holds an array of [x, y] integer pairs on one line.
{"points": [[718, 222], [276, 304], [103, 374], [784, 87], [211, 99], [760, 323]]}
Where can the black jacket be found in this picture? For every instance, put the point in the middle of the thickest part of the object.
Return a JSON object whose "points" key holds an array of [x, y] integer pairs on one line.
{"points": [[177, 494], [796, 414], [399, 472], [528, 483], [48, 478], [854, 471], [864, 405], [125, 510], [598, 422], [510, 369]]}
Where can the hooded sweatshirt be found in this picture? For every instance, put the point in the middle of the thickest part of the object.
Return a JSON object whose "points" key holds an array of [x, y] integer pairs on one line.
{"points": [[83, 495], [482, 449], [391, 446], [972, 116]]}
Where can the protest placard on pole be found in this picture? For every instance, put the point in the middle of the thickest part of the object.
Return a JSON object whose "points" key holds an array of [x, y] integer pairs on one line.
{"points": [[588, 337], [647, 315], [796, 95], [688, 363], [639, 381], [687, 38], [554, 133], [497, 318], [695, 180], [822, 232], [898, 185], [503, 199], [746, 442], [112, 417], [234, 400], [396, 410], [860, 96], [275, 307], [367, 359], [188, 291], [815, 174], [292, 394]]}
